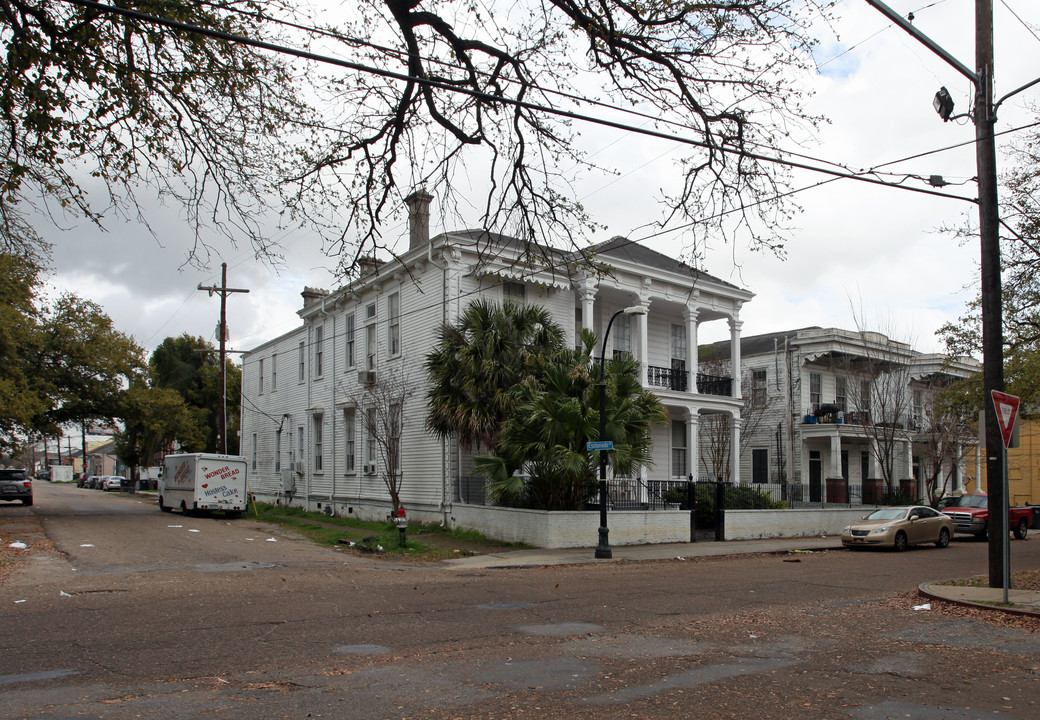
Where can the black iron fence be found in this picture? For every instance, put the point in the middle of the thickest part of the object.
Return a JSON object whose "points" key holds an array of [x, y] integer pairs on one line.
{"points": [[638, 494]]}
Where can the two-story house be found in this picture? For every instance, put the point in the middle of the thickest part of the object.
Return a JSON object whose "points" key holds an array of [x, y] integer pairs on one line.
{"points": [[845, 416], [303, 393]]}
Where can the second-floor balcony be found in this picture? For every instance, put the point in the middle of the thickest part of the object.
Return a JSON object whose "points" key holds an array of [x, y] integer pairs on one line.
{"points": [[679, 380]]}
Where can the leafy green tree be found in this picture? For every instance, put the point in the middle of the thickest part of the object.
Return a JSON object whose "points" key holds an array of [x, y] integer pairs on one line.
{"points": [[21, 399], [556, 413], [85, 361], [475, 364], [63, 363], [191, 366], [153, 419]]}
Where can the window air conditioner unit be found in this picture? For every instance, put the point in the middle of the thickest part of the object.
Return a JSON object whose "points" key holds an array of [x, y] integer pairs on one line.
{"points": [[369, 468], [366, 377]]}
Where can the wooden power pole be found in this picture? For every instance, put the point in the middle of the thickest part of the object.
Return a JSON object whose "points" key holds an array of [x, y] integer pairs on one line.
{"points": [[223, 291]]}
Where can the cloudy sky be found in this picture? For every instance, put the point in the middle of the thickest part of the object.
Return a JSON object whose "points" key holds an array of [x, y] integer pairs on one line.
{"points": [[859, 253]]}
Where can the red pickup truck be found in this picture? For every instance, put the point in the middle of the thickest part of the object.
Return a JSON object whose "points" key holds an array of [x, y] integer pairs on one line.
{"points": [[970, 515]]}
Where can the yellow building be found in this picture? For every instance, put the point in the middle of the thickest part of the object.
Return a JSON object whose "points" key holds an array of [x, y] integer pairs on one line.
{"points": [[1023, 467]]}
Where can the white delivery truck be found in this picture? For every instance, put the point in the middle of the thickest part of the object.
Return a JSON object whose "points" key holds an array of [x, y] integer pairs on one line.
{"points": [[61, 473], [202, 482]]}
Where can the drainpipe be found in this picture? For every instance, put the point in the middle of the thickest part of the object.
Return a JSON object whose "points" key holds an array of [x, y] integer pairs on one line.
{"points": [[332, 408]]}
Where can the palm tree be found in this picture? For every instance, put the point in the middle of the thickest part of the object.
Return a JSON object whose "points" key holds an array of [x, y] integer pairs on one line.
{"points": [[556, 414], [475, 364]]}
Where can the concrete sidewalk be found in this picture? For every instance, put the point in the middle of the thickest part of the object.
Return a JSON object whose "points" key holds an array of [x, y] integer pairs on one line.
{"points": [[630, 553]]}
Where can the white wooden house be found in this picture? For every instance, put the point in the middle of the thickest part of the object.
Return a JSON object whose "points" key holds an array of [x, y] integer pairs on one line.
{"points": [[300, 426], [825, 407]]}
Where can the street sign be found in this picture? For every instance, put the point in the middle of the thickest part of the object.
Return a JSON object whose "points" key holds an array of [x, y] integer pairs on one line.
{"points": [[1007, 413], [599, 445]]}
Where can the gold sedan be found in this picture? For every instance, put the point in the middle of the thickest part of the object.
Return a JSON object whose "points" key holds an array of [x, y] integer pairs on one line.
{"points": [[899, 528]]}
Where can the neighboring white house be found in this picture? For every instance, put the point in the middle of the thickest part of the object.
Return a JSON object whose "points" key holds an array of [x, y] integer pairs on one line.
{"points": [[826, 408], [303, 392]]}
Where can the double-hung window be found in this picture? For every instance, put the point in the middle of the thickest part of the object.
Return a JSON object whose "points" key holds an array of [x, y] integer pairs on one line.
{"points": [[350, 436], [622, 333], [319, 350], [759, 388], [318, 442], [348, 322], [393, 328]]}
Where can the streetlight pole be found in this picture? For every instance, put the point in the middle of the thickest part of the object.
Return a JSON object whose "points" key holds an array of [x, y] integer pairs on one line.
{"points": [[603, 548]]}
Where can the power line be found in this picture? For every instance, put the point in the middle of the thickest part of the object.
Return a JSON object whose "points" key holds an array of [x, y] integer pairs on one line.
{"points": [[1019, 18], [523, 104]]}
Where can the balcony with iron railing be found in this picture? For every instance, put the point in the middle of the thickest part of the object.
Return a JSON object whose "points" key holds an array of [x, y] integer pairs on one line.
{"points": [[679, 380]]}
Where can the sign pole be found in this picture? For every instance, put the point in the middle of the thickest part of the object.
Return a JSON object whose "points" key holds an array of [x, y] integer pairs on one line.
{"points": [[1006, 532]]}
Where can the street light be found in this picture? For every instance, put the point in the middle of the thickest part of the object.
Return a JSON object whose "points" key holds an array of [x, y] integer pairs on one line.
{"points": [[943, 103], [603, 548]]}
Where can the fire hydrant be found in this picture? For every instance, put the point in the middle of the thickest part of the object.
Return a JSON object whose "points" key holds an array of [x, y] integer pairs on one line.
{"points": [[401, 521]]}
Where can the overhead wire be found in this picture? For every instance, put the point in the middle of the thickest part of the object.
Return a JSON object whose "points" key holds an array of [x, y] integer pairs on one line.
{"points": [[849, 174], [390, 74], [1029, 29]]}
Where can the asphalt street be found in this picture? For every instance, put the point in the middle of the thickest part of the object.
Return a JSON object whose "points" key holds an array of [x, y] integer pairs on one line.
{"points": [[141, 614]]}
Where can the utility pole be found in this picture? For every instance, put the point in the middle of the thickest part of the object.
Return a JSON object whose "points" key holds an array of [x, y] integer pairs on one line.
{"points": [[223, 291], [984, 117], [992, 302]]}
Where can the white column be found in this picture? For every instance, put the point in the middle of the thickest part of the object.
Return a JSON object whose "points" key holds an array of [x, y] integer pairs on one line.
{"points": [[588, 300], [693, 446], [643, 355], [835, 464], [734, 353], [734, 449], [909, 459], [961, 468], [690, 316]]}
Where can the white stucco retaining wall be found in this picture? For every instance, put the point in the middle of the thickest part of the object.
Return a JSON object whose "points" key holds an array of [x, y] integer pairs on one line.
{"points": [[573, 529], [803, 522], [580, 529]]}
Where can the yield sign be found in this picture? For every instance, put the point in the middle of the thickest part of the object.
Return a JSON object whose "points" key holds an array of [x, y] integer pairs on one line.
{"points": [[1007, 412]]}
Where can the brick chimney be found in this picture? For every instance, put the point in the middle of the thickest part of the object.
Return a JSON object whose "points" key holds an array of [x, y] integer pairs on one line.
{"points": [[312, 295], [369, 265], [418, 218]]}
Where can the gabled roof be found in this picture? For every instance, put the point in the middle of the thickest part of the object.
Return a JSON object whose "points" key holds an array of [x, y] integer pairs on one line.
{"points": [[631, 251]]}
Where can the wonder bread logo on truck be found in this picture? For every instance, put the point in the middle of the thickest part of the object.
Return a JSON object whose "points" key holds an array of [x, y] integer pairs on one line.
{"points": [[223, 473]]}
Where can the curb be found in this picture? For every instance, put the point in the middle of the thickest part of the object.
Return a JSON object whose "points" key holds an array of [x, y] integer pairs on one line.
{"points": [[924, 590]]}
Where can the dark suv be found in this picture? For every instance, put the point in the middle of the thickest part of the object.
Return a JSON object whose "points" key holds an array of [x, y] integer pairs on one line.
{"points": [[15, 485]]}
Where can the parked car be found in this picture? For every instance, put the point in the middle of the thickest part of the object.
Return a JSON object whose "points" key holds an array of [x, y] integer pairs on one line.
{"points": [[81, 481], [94, 482], [971, 515], [948, 501], [16, 485], [43, 475], [899, 528], [112, 482]]}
